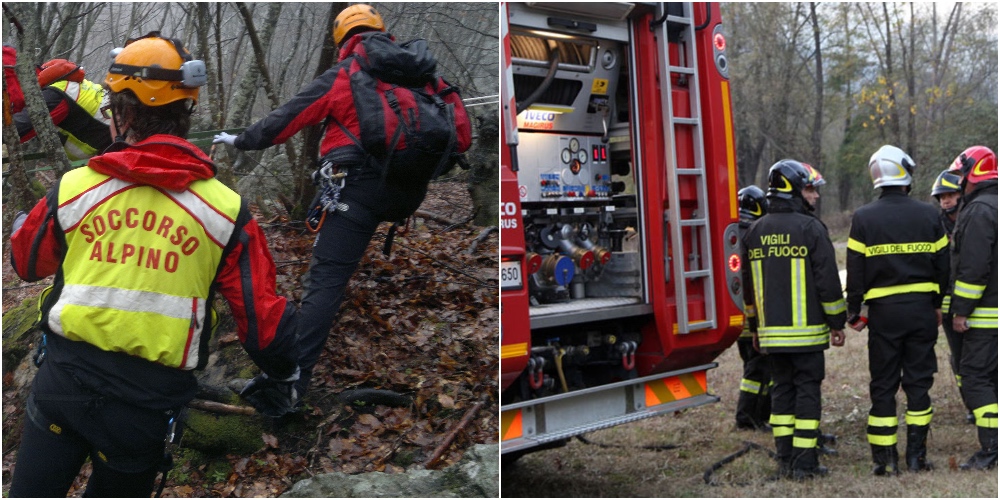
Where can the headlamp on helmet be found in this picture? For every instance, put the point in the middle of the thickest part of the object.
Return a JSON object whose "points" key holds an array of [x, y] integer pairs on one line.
{"points": [[158, 70], [890, 166]]}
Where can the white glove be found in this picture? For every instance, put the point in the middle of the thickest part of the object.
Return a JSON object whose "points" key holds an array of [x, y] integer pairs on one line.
{"points": [[224, 138]]}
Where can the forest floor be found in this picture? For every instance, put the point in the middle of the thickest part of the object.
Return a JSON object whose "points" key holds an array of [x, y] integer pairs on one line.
{"points": [[423, 322]]}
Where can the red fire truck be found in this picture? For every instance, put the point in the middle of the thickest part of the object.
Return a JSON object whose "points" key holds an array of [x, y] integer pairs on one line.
{"points": [[620, 268]]}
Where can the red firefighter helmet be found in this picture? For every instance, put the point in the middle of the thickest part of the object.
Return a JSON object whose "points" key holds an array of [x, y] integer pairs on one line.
{"points": [[976, 164]]}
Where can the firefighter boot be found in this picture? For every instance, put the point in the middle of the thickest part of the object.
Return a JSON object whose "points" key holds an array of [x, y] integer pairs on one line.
{"points": [[745, 411], [821, 443], [916, 448], [783, 447], [986, 458], [805, 464], [886, 460]]}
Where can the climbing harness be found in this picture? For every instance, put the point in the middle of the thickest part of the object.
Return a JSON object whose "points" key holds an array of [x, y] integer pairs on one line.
{"points": [[39, 357], [328, 194], [175, 429]]}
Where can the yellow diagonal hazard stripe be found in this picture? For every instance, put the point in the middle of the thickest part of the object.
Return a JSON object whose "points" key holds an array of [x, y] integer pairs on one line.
{"points": [[511, 425], [670, 389]]}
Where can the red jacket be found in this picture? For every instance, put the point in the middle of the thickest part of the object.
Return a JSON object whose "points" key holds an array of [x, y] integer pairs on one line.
{"points": [[333, 95], [246, 275]]}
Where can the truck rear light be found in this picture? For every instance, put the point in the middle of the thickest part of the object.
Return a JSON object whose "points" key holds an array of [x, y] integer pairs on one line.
{"points": [[720, 42], [734, 263]]}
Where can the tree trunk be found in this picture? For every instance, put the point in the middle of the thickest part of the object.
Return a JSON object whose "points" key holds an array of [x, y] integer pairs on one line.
{"points": [[484, 183], [27, 16], [304, 188], [19, 197]]}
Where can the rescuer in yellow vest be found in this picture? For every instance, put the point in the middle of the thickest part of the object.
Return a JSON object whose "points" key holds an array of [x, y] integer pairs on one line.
{"points": [[74, 104], [795, 308], [140, 241]]}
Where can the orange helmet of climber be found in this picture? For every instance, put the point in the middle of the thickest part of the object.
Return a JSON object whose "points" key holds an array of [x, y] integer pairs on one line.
{"points": [[158, 70], [355, 16]]}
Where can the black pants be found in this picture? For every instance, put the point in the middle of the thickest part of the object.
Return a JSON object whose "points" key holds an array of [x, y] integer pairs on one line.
{"points": [[338, 249], [901, 338], [754, 405], [796, 405], [979, 376], [65, 425], [955, 345]]}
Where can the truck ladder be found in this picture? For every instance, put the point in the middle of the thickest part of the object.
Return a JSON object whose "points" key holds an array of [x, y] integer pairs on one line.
{"points": [[700, 268]]}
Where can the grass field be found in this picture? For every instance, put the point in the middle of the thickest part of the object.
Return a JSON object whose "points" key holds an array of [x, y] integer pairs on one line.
{"points": [[705, 435]]}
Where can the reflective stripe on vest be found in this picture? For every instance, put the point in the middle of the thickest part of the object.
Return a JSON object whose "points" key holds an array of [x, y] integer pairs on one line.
{"points": [[91, 97], [886, 291], [897, 248], [793, 336], [140, 278], [757, 270], [798, 287]]}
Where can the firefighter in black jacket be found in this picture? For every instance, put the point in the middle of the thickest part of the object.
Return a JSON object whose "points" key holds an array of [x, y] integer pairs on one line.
{"points": [[754, 405], [795, 306], [974, 296], [897, 264], [947, 190]]}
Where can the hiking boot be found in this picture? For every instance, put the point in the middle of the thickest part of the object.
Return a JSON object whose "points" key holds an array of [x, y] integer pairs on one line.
{"points": [[916, 448]]}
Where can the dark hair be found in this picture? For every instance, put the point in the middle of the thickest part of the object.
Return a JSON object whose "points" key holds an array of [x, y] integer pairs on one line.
{"points": [[144, 121]]}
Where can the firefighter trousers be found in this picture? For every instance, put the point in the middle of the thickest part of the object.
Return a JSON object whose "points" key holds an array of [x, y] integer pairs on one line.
{"points": [[901, 338], [955, 345], [796, 406], [979, 378], [753, 408]]}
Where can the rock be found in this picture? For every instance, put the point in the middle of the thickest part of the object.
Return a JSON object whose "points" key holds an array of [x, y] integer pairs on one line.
{"points": [[18, 333], [476, 475]]}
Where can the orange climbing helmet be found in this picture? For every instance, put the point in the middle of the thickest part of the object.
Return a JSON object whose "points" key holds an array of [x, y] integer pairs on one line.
{"points": [[353, 17], [158, 70]]}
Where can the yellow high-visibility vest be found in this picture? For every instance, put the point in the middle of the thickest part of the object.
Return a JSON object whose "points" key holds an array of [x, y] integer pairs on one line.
{"points": [[90, 97], [139, 263]]}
